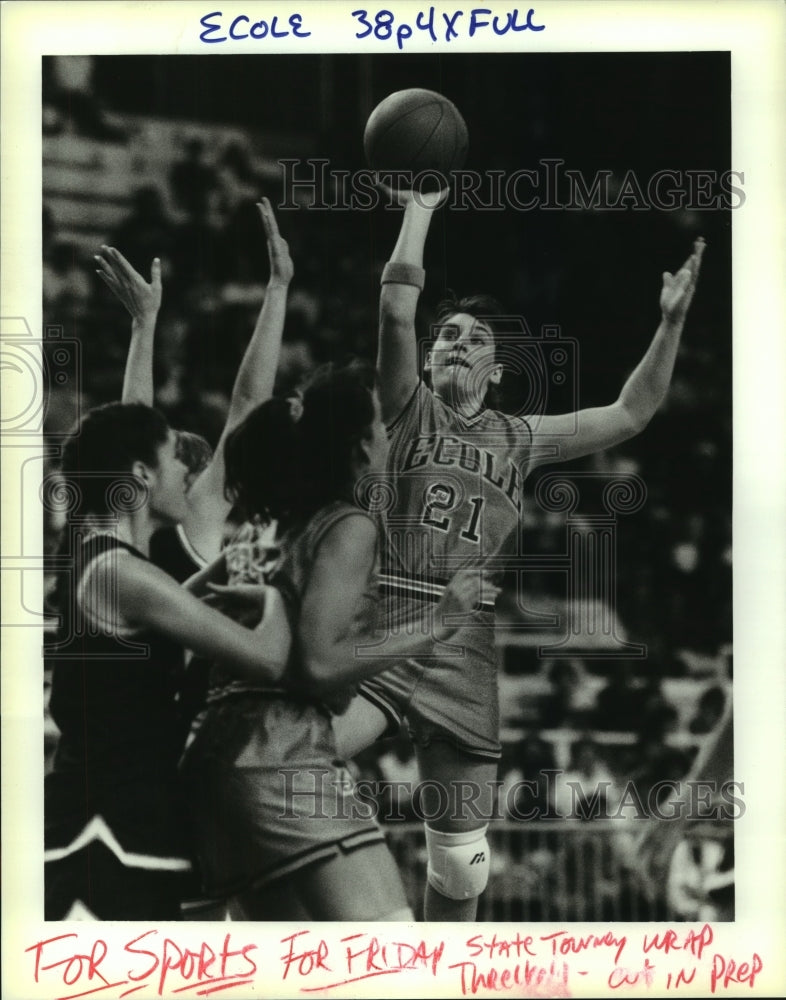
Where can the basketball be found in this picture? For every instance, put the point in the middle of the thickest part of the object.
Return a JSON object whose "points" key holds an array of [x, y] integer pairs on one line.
{"points": [[416, 130]]}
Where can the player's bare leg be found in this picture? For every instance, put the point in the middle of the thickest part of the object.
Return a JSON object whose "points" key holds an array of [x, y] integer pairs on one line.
{"points": [[361, 885], [469, 784], [357, 728]]}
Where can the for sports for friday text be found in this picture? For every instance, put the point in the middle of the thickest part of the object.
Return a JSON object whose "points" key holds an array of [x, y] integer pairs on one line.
{"points": [[530, 962]]}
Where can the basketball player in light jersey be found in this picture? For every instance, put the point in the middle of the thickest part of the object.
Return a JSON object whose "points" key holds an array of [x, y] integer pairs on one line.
{"points": [[456, 471]]}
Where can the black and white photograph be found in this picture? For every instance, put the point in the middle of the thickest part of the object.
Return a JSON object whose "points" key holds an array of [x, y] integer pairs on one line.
{"points": [[390, 549]]}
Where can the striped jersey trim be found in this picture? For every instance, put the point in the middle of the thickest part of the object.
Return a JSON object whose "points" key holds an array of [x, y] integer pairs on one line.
{"points": [[330, 849], [97, 597], [422, 589], [219, 694], [98, 830]]}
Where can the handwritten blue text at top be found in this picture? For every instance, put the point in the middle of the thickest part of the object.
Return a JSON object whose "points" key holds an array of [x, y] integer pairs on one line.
{"points": [[383, 24]]}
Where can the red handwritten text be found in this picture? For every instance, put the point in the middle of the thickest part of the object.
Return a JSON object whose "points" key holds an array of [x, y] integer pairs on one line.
{"points": [[364, 956], [157, 963], [528, 979], [563, 944], [683, 977], [517, 947], [619, 977], [202, 966], [368, 955], [694, 941], [73, 964], [305, 961], [728, 970]]}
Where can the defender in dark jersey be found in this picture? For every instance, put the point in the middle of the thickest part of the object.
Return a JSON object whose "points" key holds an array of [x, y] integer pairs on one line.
{"points": [[278, 826], [185, 549], [456, 472], [115, 842]]}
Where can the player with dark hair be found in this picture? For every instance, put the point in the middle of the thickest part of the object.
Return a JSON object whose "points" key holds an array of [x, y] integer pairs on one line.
{"points": [[277, 825], [187, 548], [457, 470], [115, 843], [194, 452]]}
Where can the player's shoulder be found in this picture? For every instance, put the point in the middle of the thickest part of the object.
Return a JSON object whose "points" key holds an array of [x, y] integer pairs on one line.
{"points": [[341, 519], [102, 552], [342, 530], [516, 425]]}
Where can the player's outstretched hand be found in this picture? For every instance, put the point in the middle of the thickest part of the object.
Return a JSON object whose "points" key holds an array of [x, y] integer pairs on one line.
{"points": [[677, 292], [141, 299], [282, 269]]}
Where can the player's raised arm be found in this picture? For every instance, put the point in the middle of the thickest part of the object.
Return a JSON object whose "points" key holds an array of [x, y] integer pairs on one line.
{"points": [[142, 299], [257, 372], [402, 283], [253, 385], [603, 427]]}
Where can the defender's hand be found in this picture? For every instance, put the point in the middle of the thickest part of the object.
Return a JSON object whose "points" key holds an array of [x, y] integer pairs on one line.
{"points": [[282, 269], [141, 299], [677, 292]]}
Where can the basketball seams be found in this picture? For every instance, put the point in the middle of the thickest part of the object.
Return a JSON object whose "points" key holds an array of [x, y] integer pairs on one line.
{"points": [[415, 130], [437, 124], [401, 120]]}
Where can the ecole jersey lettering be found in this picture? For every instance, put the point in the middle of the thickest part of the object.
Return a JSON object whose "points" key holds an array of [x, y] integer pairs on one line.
{"points": [[457, 494]]}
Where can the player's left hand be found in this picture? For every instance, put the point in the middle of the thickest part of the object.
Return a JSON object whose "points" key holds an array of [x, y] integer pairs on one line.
{"points": [[282, 269], [141, 299], [463, 594], [242, 602], [677, 292]]}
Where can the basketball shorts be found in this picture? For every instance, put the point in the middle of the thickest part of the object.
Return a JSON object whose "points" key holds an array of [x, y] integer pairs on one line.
{"points": [[117, 855], [451, 695], [268, 793]]}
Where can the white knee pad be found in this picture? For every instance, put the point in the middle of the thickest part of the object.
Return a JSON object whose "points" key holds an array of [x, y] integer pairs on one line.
{"points": [[458, 863]]}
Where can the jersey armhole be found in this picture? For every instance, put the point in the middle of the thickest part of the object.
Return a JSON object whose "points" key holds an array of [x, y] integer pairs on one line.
{"points": [[394, 423], [528, 447], [199, 561], [529, 430]]}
